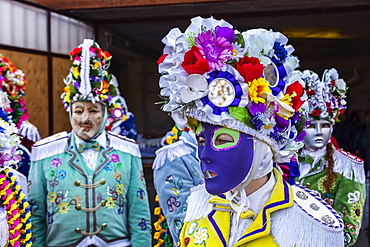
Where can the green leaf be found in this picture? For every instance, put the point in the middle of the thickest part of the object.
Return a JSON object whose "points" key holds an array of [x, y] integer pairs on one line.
{"points": [[240, 40], [241, 114]]}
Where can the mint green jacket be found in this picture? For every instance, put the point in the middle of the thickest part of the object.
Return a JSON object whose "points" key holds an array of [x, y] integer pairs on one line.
{"points": [[71, 202]]}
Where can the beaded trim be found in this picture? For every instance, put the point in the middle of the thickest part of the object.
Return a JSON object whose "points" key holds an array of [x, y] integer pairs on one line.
{"points": [[325, 204], [17, 207]]}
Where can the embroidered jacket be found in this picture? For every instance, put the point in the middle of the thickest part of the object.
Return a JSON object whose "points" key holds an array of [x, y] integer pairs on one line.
{"points": [[176, 171], [348, 191], [71, 202], [292, 216]]}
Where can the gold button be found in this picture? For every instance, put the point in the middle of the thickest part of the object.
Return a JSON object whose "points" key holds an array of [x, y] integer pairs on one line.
{"points": [[78, 207], [308, 185], [78, 230], [102, 181], [104, 226], [77, 183], [103, 203]]}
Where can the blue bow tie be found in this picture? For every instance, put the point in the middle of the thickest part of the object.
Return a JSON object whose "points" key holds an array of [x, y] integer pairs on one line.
{"points": [[94, 145]]}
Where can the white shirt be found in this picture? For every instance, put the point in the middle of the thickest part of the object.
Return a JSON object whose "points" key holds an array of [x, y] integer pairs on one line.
{"points": [[91, 156]]}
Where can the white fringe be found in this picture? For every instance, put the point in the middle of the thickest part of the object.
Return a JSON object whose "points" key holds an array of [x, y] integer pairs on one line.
{"points": [[349, 168], [29, 131], [50, 146], [170, 152], [198, 205], [4, 228], [294, 228], [123, 144]]}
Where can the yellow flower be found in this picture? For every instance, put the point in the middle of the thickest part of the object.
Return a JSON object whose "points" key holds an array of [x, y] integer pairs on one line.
{"points": [[104, 87], [75, 72], [110, 203], [356, 211], [52, 195], [256, 88], [120, 188], [96, 65], [103, 97], [63, 207]]}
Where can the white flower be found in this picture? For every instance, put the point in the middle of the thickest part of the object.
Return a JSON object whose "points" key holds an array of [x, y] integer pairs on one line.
{"points": [[198, 24], [179, 118], [268, 125], [200, 235], [197, 88], [261, 42], [354, 197], [18, 77], [192, 228], [340, 84]]}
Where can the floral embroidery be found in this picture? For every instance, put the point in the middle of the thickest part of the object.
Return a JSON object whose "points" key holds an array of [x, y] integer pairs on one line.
{"points": [[354, 197], [356, 211], [117, 176], [52, 196], [53, 183], [320, 184], [110, 203], [56, 162], [200, 235], [62, 174], [192, 228], [142, 224], [111, 190], [187, 241], [173, 204], [63, 207], [108, 167], [114, 158], [120, 188], [140, 194]]}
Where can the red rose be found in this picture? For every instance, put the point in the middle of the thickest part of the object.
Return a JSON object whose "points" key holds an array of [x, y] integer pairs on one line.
{"points": [[161, 59], [250, 68], [75, 51], [296, 88], [328, 104], [330, 110], [316, 112], [194, 62]]}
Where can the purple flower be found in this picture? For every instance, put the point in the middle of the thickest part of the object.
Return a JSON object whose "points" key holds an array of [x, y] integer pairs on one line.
{"points": [[256, 108], [56, 162], [256, 120], [114, 158], [226, 33], [300, 136], [217, 50], [281, 123]]}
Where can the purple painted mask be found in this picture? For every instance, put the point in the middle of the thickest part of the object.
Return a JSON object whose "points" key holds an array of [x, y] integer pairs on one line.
{"points": [[226, 157]]}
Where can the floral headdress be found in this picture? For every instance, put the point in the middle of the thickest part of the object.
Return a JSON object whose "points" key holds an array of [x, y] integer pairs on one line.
{"points": [[245, 81], [13, 82], [88, 78], [117, 108], [12, 197], [326, 97]]}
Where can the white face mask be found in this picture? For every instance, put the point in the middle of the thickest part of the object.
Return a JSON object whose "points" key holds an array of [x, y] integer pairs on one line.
{"points": [[318, 134]]}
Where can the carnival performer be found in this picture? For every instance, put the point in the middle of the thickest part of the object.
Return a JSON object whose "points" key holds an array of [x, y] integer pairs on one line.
{"points": [[13, 82], [120, 119], [337, 176], [87, 187], [240, 94], [176, 170], [15, 222]]}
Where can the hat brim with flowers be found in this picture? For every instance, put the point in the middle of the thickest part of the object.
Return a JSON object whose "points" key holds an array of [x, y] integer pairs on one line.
{"points": [[88, 78], [242, 80], [326, 97]]}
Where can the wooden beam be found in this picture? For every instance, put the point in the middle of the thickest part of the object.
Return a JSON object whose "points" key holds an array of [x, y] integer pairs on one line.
{"points": [[88, 4]]}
